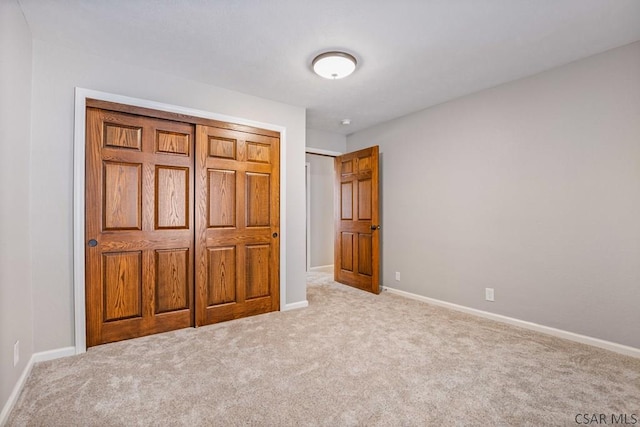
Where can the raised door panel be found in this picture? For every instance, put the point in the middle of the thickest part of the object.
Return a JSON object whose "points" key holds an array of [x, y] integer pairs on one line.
{"points": [[221, 197], [257, 152], [346, 167], [364, 254], [172, 197], [364, 199], [222, 275], [257, 271], [122, 285], [121, 136], [122, 196], [364, 164], [346, 249], [346, 200], [258, 196], [224, 148], [172, 279], [172, 142]]}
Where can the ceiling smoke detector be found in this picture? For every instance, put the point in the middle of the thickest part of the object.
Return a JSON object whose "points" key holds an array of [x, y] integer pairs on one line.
{"points": [[334, 65]]}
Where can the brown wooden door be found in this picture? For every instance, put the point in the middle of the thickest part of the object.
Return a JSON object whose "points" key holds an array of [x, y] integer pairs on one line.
{"points": [[139, 226], [237, 224], [357, 235]]}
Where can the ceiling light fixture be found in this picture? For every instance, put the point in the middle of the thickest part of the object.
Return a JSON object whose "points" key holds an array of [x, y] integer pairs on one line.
{"points": [[346, 122], [334, 65]]}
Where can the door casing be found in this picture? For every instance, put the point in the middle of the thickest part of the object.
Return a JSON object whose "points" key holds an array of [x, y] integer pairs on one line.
{"points": [[79, 239]]}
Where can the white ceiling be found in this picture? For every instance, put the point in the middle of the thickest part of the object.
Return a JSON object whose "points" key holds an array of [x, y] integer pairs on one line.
{"points": [[412, 53]]}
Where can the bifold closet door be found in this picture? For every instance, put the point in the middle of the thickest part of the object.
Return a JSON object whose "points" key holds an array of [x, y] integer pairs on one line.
{"points": [[237, 224], [139, 226]]}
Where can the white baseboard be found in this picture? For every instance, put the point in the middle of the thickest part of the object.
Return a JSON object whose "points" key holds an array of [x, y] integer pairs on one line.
{"points": [[13, 397], [35, 358], [322, 269], [583, 339], [43, 356], [296, 305]]}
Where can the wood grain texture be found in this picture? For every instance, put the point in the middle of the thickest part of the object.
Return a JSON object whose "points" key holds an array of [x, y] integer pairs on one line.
{"points": [[172, 197], [122, 196], [346, 251], [237, 215], [257, 271], [346, 200], [172, 279], [119, 136], [346, 167], [222, 147], [222, 198], [258, 195], [364, 199], [364, 163], [364, 254], [122, 285], [257, 152], [129, 194], [172, 142], [222, 275], [357, 246]]}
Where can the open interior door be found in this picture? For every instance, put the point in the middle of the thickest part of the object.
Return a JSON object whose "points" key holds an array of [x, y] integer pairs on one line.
{"points": [[357, 235]]}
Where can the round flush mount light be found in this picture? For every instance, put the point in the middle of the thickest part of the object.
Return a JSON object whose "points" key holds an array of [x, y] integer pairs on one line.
{"points": [[334, 65]]}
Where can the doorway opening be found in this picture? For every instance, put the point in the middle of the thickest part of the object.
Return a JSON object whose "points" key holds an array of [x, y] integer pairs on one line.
{"points": [[320, 211], [355, 217]]}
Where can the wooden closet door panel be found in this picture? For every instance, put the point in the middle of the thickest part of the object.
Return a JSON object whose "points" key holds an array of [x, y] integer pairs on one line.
{"points": [[139, 193], [237, 224]]}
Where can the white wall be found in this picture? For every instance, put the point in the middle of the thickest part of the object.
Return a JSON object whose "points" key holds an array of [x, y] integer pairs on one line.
{"points": [[326, 140], [56, 71], [15, 279], [532, 188], [321, 209]]}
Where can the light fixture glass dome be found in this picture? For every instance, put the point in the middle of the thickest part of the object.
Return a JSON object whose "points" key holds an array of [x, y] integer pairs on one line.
{"points": [[334, 65]]}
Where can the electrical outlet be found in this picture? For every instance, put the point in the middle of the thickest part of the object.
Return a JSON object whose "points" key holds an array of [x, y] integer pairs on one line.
{"points": [[488, 294], [16, 353], [397, 276]]}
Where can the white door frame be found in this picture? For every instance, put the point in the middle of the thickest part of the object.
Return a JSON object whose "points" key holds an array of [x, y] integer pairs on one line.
{"points": [[322, 152], [79, 239], [307, 170]]}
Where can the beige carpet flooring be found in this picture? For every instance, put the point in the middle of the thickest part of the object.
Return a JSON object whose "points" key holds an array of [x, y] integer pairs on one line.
{"points": [[351, 358]]}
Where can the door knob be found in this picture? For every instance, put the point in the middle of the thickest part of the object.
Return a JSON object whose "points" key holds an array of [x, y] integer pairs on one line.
{"points": [[375, 227], [93, 243], [275, 234]]}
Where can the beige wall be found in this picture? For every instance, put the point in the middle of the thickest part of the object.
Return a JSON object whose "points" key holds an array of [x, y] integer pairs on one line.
{"points": [[15, 264], [321, 245], [531, 188], [56, 71]]}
